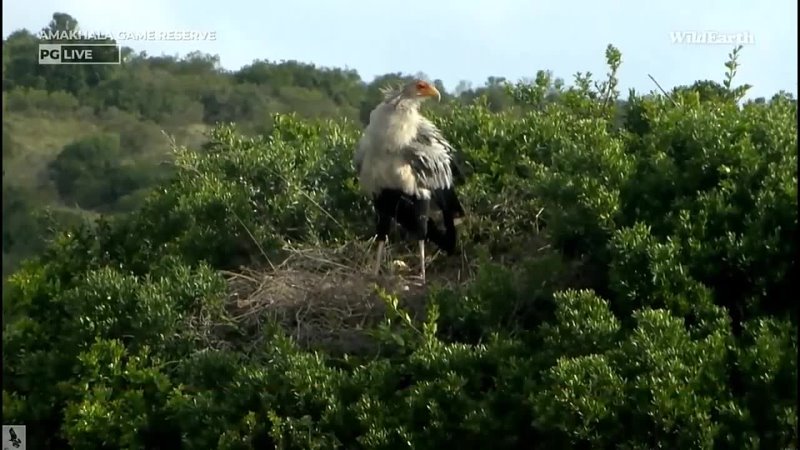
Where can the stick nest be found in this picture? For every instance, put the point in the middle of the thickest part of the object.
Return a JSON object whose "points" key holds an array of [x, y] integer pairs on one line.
{"points": [[326, 299]]}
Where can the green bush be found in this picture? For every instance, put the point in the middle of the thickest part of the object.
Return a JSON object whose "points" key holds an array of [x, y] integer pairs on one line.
{"points": [[644, 300], [27, 100], [92, 173]]}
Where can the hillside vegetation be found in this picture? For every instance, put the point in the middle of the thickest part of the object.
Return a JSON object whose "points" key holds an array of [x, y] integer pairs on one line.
{"points": [[148, 104], [624, 279]]}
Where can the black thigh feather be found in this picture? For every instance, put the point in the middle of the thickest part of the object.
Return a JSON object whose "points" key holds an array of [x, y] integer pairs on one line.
{"points": [[394, 204]]}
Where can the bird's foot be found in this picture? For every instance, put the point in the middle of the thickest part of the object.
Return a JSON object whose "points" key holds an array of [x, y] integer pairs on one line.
{"points": [[415, 280], [419, 279]]}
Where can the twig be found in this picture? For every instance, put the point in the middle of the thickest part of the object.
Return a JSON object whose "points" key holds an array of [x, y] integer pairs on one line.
{"points": [[232, 275], [322, 209], [674, 103], [171, 139], [255, 241]]}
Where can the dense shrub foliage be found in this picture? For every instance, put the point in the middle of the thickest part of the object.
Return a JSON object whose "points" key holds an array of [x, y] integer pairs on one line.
{"points": [[680, 333]]}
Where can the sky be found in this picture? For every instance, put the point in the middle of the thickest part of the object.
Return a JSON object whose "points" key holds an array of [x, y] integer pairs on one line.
{"points": [[456, 40]]}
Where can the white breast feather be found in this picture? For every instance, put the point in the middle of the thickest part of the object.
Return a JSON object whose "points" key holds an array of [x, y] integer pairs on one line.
{"points": [[383, 164]]}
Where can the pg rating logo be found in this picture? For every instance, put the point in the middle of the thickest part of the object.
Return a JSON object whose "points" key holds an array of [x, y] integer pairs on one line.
{"points": [[79, 54]]}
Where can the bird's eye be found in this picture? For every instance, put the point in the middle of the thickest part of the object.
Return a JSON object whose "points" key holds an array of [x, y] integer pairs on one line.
{"points": [[421, 85]]}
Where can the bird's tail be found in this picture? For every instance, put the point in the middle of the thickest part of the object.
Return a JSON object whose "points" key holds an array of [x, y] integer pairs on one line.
{"points": [[453, 204], [452, 213]]}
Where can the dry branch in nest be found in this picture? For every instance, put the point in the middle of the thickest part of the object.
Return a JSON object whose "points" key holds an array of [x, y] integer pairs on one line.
{"points": [[325, 299]]}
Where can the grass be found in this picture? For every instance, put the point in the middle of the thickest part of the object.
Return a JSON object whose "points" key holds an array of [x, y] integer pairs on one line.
{"points": [[38, 140], [39, 136]]}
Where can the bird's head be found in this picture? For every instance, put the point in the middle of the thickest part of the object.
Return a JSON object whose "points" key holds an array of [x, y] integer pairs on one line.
{"points": [[420, 91]]}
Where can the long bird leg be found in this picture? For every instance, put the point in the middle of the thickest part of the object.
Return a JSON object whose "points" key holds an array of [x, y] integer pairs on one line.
{"points": [[383, 203], [422, 259], [379, 257], [421, 207]]}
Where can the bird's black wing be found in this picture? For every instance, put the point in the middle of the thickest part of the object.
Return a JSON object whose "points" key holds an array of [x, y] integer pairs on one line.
{"points": [[431, 135], [432, 158]]}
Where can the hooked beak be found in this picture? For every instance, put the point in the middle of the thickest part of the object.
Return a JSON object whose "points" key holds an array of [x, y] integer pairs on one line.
{"points": [[431, 91]]}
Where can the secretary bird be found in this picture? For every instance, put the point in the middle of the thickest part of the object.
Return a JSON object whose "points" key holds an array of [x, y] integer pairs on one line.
{"points": [[408, 168]]}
